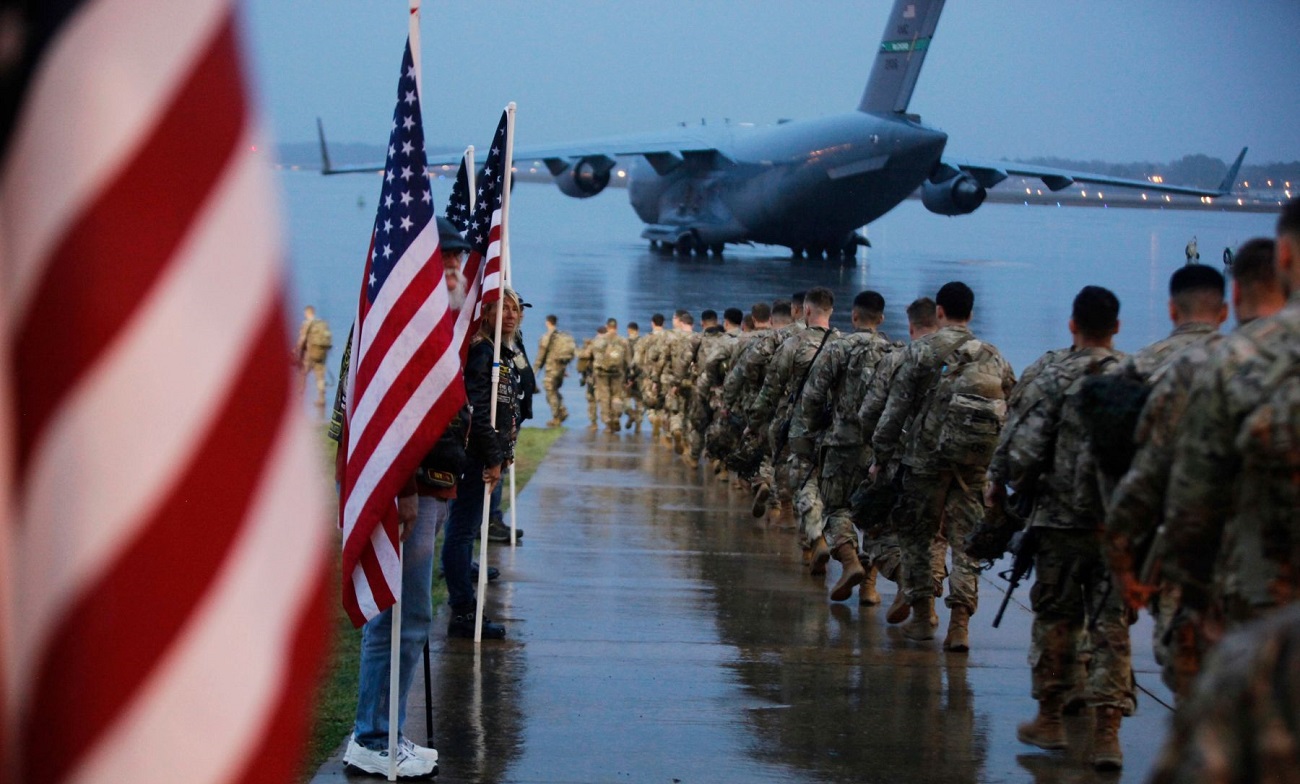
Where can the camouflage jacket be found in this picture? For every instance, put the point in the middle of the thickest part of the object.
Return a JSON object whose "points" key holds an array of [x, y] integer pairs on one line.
{"points": [[1047, 448], [680, 351], [649, 356], [1137, 505], [837, 385], [555, 350], [785, 374], [1217, 505], [873, 403], [913, 388], [1148, 362], [712, 364], [1016, 406], [745, 378]]}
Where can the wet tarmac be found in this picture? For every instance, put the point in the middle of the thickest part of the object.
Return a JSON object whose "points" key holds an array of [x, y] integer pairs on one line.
{"points": [[659, 633]]}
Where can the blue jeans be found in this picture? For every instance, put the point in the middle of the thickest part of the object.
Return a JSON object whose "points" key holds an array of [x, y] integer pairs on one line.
{"points": [[371, 728], [463, 521]]}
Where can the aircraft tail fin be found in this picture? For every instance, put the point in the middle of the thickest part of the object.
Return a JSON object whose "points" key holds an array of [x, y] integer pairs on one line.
{"points": [[902, 52], [325, 166], [1230, 179]]}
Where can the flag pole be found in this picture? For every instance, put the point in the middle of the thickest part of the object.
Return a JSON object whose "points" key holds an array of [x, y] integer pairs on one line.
{"points": [[506, 277], [395, 642], [487, 489]]}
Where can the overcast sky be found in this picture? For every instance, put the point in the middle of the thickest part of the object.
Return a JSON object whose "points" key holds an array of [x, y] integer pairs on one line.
{"points": [[1116, 80]]}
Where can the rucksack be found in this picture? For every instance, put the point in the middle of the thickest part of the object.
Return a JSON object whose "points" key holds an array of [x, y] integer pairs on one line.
{"points": [[561, 348], [610, 358], [1111, 404], [318, 334], [968, 407]]}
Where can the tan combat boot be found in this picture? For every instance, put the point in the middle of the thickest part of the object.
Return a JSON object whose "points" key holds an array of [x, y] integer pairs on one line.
{"points": [[900, 609], [847, 555], [958, 639], [868, 594], [654, 428], [923, 622], [1106, 753], [690, 460], [1046, 730], [761, 494], [679, 444], [821, 554]]}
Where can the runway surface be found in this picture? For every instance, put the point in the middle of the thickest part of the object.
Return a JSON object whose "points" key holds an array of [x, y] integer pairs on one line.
{"points": [[659, 633]]}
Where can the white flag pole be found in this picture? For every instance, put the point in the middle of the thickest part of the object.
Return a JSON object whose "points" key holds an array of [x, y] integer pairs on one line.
{"points": [[470, 176], [506, 277], [487, 489], [395, 642]]}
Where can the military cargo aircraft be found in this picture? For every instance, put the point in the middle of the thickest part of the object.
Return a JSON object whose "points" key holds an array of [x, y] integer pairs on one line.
{"points": [[806, 185]]}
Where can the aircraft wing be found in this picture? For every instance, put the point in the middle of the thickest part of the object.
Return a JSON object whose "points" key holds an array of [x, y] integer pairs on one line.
{"points": [[990, 173], [664, 150]]}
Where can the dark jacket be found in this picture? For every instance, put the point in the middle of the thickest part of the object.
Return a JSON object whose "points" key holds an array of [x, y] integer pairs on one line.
{"points": [[440, 469], [490, 446]]}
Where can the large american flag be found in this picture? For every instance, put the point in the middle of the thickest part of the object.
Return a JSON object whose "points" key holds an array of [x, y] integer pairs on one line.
{"points": [[404, 384], [483, 233], [165, 523]]}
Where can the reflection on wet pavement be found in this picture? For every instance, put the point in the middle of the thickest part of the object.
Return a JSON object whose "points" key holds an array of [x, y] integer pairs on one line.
{"points": [[658, 633]]}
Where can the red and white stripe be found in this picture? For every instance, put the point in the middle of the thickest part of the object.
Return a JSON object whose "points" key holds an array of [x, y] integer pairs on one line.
{"points": [[167, 535], [483, 275]]}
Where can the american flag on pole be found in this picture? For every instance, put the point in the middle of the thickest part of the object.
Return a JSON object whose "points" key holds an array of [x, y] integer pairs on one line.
{"points": [[483, 233], [404, 381], [165, 523], [458, 209]]}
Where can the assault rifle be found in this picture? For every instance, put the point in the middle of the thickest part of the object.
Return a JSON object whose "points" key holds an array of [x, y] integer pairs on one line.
{"points": [[1024, 546]]}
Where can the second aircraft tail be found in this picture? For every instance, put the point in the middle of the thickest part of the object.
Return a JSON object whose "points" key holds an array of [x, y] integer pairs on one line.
{"points": [[902, 52]]}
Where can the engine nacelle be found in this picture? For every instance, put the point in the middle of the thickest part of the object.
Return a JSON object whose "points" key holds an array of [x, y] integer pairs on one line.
{"points": [[585, 178], [959, 195]]}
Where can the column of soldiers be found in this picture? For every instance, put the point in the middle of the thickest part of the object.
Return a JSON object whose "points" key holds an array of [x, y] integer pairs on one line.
{"points": [[1167, 479]]}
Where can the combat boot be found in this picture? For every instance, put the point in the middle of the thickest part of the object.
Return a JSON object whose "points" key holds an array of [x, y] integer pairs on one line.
{"points": [[1046, 730], [690, 460], [853, 573], [1106, 753], [923, 622], [958, 638], [868, 594], [821, 554], [654, 428], [900, 609], [679, 445], [760, 500]]}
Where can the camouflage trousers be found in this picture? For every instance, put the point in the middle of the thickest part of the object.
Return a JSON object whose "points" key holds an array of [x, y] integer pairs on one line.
{"points": [[551, 384], [591, 401], [1179, 640], [1071, 574], [632, 406], [609, 397], [948, 504], [842, 470], [677, 402], [802, 480], [701, 416]]}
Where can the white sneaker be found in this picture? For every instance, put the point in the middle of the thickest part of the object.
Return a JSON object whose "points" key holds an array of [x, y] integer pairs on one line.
{"points": [[376, 762], [415, 749]]}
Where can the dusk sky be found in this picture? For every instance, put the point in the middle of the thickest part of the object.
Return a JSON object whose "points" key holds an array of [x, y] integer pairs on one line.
{"points": [[1104, 79]]}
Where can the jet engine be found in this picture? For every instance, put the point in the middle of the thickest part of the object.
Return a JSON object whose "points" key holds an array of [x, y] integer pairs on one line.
{"points": [[585, 178], [960, 194]]}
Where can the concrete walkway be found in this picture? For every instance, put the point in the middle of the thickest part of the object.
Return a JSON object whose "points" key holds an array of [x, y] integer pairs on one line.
{"points": [[658, 633]]}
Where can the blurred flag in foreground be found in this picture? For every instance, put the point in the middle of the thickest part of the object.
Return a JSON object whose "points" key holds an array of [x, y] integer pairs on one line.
{"points": [[166, 532]]}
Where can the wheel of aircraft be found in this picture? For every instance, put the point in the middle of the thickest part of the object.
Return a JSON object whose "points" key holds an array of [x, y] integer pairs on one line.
{"points": [[796, 253], [654, 245], [685, 245], [815, 252], [717, 248]]}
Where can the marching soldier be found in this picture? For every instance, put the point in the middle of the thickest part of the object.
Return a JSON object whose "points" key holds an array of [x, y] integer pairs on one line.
{"points": [[555, 350]]}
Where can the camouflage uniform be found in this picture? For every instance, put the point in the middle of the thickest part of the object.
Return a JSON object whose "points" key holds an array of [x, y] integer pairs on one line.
{"points": [[632, 405], [555, 350], [1046, 453], [609, 358], [1137, 504], [1231, 521], [1239, 724], [711, 367], [314, 344], [771, 415], [586, 378], [938, 495], [678, 380], [883, 551], [649, 357], [828, 411]]}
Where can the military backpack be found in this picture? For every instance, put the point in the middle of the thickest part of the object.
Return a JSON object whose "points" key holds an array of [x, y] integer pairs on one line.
{"points": [[968, 406], [561, 348], [610, 358], [1269, 443]]}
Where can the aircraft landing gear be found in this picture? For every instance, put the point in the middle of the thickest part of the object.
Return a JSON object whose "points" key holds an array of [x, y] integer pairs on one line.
{"points": [[717, 248], [796, 253]]}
